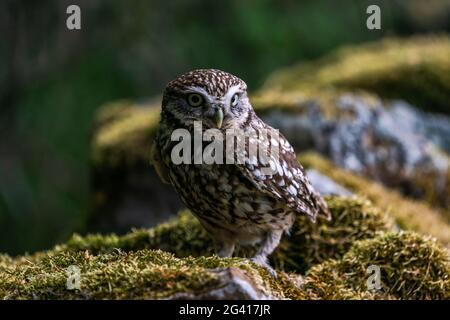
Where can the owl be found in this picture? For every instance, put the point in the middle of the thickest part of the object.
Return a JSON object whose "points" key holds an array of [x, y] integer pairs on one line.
{"points": [[235, 202]]}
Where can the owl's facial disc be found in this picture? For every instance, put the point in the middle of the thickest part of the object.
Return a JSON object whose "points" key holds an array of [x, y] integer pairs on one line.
{"points": [[220, 110], [213, 111]]}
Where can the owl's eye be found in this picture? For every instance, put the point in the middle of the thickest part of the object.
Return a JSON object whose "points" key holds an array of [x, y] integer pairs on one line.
{"points": [[195, 99], [234, 100]]}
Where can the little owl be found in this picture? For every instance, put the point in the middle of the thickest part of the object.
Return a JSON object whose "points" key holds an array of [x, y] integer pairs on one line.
{"points": [[235, 203]]}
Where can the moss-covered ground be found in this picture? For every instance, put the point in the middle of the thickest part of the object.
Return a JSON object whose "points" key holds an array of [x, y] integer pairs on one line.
{"points": [[176, 257]]}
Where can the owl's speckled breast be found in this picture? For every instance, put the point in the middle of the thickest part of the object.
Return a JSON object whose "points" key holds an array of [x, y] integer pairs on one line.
{"points": [[220, 196]]}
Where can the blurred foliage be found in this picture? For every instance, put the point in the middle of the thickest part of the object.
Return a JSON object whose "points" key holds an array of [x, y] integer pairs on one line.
{"points": [[52, 79], [45, 188]]}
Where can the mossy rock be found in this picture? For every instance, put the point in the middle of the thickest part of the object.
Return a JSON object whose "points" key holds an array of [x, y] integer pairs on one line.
{"points": [[308, 243], [142, 274], [408, 214], [411, 267], [123, 133], [415, 69]]}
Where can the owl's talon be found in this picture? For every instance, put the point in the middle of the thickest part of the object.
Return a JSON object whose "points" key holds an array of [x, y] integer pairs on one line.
{"points": [[263, 263]]}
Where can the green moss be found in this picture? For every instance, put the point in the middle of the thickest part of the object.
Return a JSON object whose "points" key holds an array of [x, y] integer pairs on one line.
{"points": [[409, 214], [411, 267], [415, 69], [143, 274]]}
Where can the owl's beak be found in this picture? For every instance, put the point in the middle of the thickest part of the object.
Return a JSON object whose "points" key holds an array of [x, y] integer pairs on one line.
{"points": [[218, 117]]}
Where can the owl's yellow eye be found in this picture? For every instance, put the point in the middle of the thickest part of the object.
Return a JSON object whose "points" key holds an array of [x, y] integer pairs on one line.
{"points": [[195, 99], [234, 100]]}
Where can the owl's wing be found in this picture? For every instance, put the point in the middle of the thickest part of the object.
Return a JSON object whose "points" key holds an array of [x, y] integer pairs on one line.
{"points": [[289, 182], [156, 161]]}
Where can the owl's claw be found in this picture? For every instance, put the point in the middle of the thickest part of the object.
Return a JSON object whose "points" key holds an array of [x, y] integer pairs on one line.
{"points": [[260, 261]]}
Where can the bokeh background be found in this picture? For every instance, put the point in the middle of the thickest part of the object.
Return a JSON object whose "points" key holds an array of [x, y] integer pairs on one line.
{"points": [[53, 80]]}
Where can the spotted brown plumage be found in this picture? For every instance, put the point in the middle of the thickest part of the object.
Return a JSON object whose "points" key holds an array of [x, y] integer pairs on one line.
{"points": [[236, 203]]}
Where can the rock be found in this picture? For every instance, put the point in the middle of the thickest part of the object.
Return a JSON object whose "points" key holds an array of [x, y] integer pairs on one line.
{"points": [[324, 185], [437, 129], [392, 142], [233, 284]]}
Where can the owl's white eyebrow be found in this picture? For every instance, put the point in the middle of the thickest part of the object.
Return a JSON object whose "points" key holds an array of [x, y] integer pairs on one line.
{"points": [[200, 90], [230, 93]]}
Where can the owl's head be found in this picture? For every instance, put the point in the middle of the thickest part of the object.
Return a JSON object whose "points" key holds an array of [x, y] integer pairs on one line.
{"points": [[215, 97]]}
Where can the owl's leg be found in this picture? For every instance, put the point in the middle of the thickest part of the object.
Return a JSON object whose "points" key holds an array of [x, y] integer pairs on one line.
{"points": [[268, 245], [226, 249]]}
